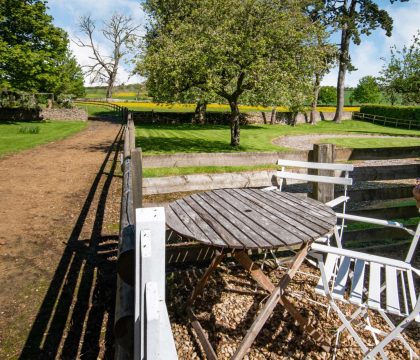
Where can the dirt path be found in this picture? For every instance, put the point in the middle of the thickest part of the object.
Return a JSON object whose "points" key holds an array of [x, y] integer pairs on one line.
{"points": [[57, 246]]}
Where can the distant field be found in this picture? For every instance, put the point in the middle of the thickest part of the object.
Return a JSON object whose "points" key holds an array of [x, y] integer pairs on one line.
{"points": [[138, 92], [18, 136], [128, 92], [165, 107]]}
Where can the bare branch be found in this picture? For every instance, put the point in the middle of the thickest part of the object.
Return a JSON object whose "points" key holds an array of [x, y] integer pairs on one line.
{"points": [[121, 33]]}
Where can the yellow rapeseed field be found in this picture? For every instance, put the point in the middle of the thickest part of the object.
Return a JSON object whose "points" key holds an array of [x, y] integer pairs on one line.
{"points": [[124, 94], [175, 107]]}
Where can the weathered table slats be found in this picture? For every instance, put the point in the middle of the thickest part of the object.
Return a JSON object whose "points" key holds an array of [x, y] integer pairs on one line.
{"points": [[261, 220], [249, 218], [282, 215], [295, 207]]}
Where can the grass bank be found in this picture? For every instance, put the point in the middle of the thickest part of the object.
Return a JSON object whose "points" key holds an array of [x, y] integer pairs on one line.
{"points": [[187, 138], [18, 136]]}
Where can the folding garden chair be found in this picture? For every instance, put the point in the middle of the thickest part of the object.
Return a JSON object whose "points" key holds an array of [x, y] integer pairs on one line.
{"points": [[381, 284], [338, 174]]}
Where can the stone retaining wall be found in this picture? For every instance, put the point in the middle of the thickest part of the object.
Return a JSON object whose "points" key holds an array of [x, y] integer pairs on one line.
{"points": [[265, 158], [151, 117], [74, 114]]}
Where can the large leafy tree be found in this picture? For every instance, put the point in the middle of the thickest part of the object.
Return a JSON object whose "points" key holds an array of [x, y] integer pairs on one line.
{"points": [[254, 50], [32, 50], [353, 18], [400, 77], [367, 91]]}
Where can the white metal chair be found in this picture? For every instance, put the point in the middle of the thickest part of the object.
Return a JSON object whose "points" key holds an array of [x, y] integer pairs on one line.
{"points": [[341, 176], [382, 284]]}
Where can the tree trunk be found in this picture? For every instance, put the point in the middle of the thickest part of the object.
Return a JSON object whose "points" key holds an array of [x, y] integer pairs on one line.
{"points": [[264, 117], [110, 86], [344, 60], [314, 104], [235, 131], [273, 116], [109, 90], [342, 68], [200, 112]]}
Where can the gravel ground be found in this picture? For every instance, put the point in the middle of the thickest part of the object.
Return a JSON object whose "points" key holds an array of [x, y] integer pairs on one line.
{"points": [[230, 303], [305, 142]]}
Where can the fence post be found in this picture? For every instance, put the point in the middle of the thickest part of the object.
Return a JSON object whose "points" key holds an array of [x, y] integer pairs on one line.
{"points": [[137, 177], [150, 267], [323, 153]]}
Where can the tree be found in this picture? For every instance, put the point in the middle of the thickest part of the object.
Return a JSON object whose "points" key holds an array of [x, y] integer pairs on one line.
{"points": [[327, 95], [367, 91], [32, 49], [353, 18], [121, 34], [71, 80], [258, 51], [401, 76], [326, 53]]}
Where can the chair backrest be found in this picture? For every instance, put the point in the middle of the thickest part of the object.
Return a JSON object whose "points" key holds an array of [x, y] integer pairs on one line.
{"points": [[341, 169]]}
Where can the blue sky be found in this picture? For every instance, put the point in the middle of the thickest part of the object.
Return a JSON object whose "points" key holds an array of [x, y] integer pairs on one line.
{"points": [[366, 57]]}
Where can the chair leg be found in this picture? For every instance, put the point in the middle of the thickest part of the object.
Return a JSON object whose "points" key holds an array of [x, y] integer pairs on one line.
{"points": [[391, 336], [347, 325], [400, 337]]}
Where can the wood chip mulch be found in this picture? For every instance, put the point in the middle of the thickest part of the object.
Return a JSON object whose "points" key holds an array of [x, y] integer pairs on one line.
{"points": [[231, 301]]}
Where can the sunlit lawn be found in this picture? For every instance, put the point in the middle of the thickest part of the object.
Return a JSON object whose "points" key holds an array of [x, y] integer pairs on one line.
{"points": [[186, 138], [12, 140]]}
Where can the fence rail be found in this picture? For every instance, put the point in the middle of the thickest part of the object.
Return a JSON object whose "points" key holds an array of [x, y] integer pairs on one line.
{"points": [[122, 111], [383, 120], [142, 327]]}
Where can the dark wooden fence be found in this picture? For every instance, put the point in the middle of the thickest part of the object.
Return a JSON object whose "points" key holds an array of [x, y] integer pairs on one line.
{"points": [[387, 121]]}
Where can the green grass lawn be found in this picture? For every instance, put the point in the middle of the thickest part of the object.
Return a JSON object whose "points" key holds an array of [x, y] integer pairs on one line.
{"points": [[97, 110], [187, 138], [13, 137], [178, 171]]}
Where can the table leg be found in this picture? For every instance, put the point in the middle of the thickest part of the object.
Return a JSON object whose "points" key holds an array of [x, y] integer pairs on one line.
{"points": [[208, 349], [277, 296], [202, 282]]}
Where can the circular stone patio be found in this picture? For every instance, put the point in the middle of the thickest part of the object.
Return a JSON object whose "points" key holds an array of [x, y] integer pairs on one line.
{"points": [[305, 142]]}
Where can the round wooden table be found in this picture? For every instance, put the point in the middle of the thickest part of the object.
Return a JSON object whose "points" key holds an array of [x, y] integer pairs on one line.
{"points": [[250, 218]]}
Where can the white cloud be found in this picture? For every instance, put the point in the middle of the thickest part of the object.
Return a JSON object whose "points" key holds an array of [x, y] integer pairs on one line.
{"points": [[367, 57]]}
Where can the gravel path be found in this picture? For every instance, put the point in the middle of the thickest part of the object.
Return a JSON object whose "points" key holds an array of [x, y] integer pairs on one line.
{"points": [[305, 142]]}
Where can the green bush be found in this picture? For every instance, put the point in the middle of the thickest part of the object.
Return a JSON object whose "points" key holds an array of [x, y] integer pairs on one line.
{"points": [[396, 112], [29, 130]]}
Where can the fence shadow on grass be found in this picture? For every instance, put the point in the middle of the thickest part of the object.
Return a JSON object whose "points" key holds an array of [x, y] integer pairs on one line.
{"points": [[76, 317]]}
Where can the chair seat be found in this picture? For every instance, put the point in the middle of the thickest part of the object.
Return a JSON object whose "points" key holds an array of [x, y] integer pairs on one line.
{"points": [[370, 283]]}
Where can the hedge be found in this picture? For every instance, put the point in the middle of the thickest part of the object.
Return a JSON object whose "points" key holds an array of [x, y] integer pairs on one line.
{"points": [[396, 112]]}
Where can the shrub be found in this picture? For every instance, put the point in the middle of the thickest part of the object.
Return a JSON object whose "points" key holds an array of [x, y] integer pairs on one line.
{"points": [[396, 112], [327, 95], [29, 130]]}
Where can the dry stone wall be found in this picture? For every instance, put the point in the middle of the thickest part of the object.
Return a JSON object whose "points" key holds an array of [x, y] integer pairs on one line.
{"points": [[151, 117], [74, 114]]}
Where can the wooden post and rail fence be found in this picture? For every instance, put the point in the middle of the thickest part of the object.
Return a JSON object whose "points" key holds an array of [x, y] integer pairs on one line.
{"points": [[142, 328], [387, 121]]}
